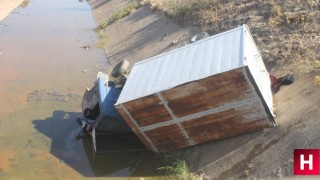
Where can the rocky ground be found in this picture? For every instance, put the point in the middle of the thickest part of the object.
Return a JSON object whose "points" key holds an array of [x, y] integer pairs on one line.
{"points": [[287, 33]]}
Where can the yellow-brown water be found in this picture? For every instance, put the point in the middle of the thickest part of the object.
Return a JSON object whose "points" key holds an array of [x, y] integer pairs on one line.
{"points": [[40, 52]]}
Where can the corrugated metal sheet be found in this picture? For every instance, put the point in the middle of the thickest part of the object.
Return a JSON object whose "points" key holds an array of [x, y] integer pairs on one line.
{"points": [[253, 60], [196, 61]]}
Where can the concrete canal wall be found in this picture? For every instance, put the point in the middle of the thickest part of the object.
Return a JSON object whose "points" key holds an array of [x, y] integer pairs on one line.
{"points": [[6, 6]]}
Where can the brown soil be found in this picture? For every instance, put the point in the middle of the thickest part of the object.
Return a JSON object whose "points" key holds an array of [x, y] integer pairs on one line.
{"points": [[141, 35], [270, 153], [285, 43], [5, 158]]}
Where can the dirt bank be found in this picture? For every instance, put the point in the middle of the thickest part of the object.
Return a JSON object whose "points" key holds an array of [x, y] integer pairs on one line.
{"points": [[143, 34], [6, 6], [267, 154]]}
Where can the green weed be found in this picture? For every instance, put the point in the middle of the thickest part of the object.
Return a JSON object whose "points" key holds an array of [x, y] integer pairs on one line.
{"points": [[24, 4], [176, 164], [127, 10]]}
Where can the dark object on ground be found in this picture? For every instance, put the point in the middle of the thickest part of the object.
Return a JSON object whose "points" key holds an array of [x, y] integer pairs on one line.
{"points": [[277, 82], [120, 68], [86, 47], [199, 36], [287, 79], [90, 106]]}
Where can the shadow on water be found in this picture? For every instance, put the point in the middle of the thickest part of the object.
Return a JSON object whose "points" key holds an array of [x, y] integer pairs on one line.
{"points": [[79, 154]]}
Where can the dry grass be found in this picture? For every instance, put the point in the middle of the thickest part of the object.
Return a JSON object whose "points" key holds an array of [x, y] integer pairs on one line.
{"points": [[276, 10], [317, 80], [127, 10], [102, 40], [307, 67], [178, 164], [24, 4], [184, 10], [201, 12], [287, 31]]}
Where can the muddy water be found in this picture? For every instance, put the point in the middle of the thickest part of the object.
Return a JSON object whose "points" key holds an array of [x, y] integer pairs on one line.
{"points": [[43, 73]]}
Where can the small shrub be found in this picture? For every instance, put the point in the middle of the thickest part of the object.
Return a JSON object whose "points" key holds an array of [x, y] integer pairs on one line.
{"points": [[129, 9], [24, 4], [174, 164], [276, 10], [273, 22], [144, 2], [317, 63], [317, 80], [178, 170], [102, 40], [296, 18], [183, 10]]}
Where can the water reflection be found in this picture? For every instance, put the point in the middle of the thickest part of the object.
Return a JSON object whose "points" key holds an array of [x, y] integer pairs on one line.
{"points": [[62, 129]]}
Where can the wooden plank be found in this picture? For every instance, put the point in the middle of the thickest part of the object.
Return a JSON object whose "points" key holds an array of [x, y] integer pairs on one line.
{"points": [[225, 124], [215, 118], [229, 132], [212, 128], [225, 133], [148, 110], [162, 130], [150, 115], [208, 93], [167, 137], [246, 114]]}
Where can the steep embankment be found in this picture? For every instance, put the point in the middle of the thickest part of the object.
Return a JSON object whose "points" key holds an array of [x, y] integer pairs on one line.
{"points": [[143, 34], [286, 31]]}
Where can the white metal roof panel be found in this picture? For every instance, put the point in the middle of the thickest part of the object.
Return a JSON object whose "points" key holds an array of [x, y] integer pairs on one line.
{"points": [[257, 68], [213, 55]]}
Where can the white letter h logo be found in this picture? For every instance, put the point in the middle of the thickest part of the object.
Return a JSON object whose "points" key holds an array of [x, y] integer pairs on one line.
{"points": [[303, 162]]}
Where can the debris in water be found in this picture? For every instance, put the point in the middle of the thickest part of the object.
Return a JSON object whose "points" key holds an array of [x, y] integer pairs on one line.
{"points": [[84, 71], [50, 95], [99, 68], [86, 47]]}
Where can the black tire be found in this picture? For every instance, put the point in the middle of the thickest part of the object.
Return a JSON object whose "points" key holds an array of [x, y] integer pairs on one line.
{"points": [[120, 68], [199, 36]]}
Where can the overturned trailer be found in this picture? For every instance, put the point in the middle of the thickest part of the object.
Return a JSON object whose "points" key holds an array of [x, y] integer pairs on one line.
{"points": [[215, 88]]}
